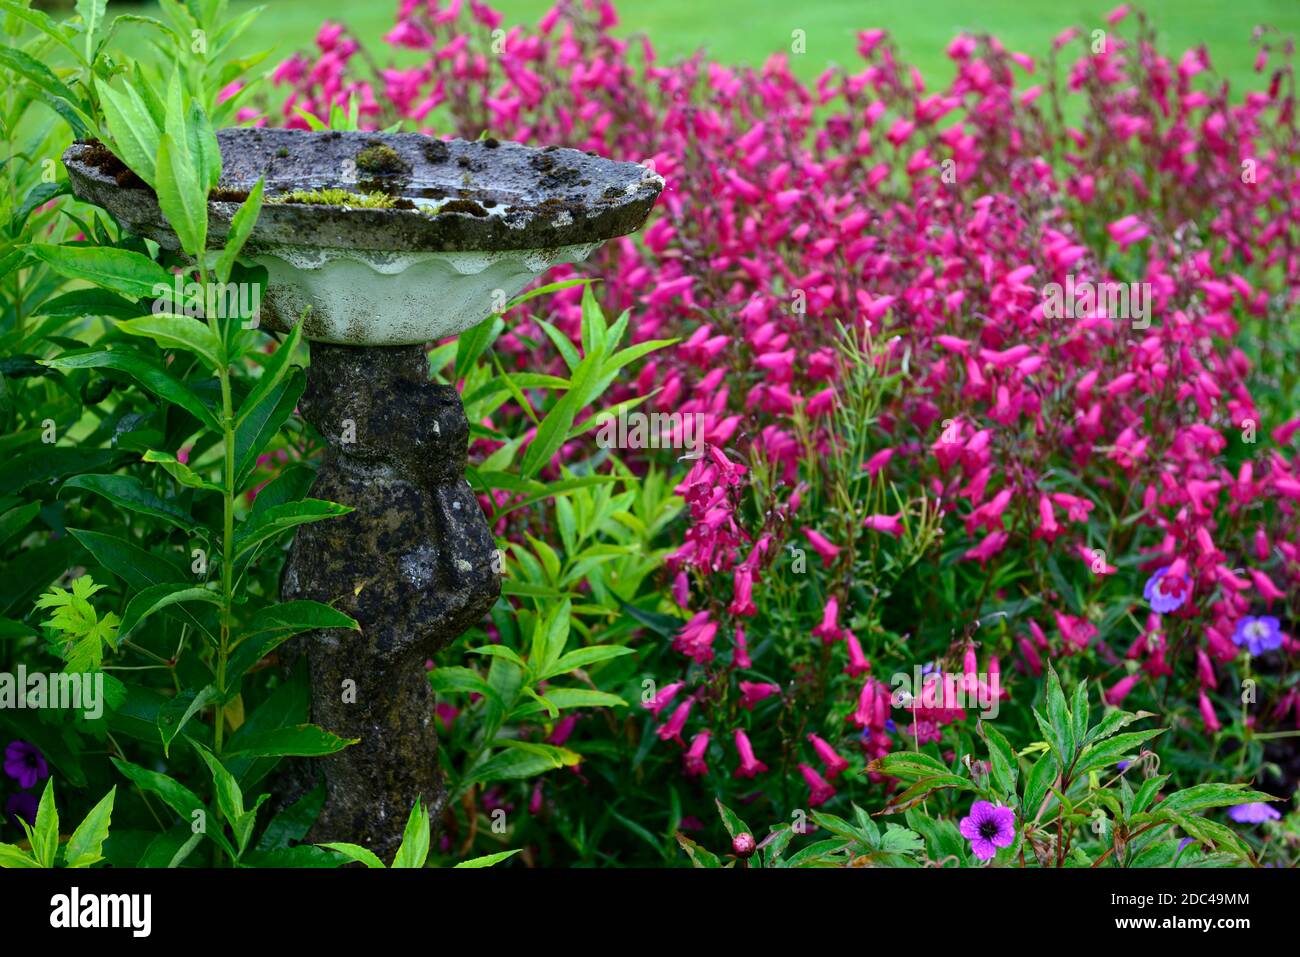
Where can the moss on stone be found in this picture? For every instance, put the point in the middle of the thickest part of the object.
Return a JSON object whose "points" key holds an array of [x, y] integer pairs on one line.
{"points": [[337, 197], [378, 159]]}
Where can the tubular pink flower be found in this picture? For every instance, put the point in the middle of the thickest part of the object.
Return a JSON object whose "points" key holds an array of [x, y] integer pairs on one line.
{"points": [[833, 763], [749, 765], [820, 791]]}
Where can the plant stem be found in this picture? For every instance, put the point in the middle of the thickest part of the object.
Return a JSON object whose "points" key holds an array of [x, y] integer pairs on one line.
{"points": [[228, 520], [227, 546]]}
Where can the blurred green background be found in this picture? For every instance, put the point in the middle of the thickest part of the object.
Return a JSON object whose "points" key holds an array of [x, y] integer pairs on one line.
{"points": [[748, 31]]}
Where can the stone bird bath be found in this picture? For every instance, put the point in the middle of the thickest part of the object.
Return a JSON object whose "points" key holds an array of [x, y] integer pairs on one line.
{"points": [[415, 561]]}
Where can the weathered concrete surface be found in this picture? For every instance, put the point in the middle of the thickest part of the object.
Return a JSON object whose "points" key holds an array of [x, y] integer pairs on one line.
{"points": [[491, 195], [414, 564]]}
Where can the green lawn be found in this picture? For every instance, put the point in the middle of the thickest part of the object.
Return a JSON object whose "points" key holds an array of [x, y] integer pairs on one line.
{"points": [[747, 31]]}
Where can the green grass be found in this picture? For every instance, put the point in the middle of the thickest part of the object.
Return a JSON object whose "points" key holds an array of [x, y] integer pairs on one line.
{"points": [[748, 31]]}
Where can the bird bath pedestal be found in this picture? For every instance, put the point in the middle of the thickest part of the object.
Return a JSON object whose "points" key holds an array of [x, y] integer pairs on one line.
{"points": [[414, 562]]}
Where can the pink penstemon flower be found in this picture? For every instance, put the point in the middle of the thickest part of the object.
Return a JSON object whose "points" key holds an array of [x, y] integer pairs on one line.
{"points": [[749, 765]]}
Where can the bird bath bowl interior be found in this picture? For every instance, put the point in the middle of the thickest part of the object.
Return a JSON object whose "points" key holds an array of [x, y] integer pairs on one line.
{"points": [[471, 222], [464, 226]]}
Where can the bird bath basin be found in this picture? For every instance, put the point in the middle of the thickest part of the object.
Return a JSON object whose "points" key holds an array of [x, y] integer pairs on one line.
{"points": [[433, 237], [470, 222]]}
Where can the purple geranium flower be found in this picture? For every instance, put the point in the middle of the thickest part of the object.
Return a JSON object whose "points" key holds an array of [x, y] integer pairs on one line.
{"points": [[25, 763], [1258, 635], [988, 827], [1256, 812], [22, 805], [1166, 594]]}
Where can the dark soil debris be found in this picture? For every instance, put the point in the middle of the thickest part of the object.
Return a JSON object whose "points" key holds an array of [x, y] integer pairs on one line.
{"points": [[101, 157], [463, 206], [222, 195]]}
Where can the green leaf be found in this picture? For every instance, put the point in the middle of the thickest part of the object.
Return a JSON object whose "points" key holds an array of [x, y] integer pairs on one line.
{"points": [[1079, 713], [562, 698], [511, 765], [487, 860], [273, 625], [292, 484], [730, 820], [181, 195], [453, 679], [414, 849], [16, 519], [157, 597], [88, 302], [180, 471], [120, 270], [174, 794], [148, 373], [273, 373], [1059, 720], [562, 344], [292, 824], [176, 713], [86, 845], [924, 787], [1214, 835], [92, 17], [204, 152], [582, 657], [45, 465], [473, 342], [901, 840], [61, 99], [550, 635], [1111, 723], [1002, 759], [179, 332], [140, 569], [183, 852], [135, 134], [1041, 777], [229, 797], [57, 32], [554, 429], [500, 651], [241, 227], [133, 564], [1199, 797], [12, 856], [909, 765], [1112, 750], [261, 526], [129, 492], [303, 740], [357, 853], [698, 855], [546, 290], [1147, 792], [264, 420], [39, 195], [45, 834]]}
